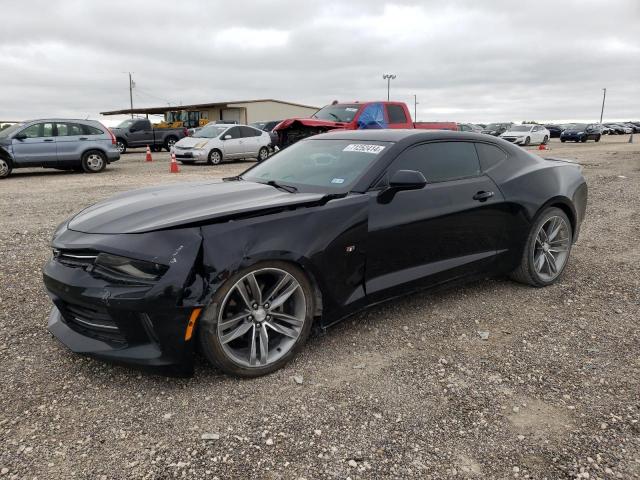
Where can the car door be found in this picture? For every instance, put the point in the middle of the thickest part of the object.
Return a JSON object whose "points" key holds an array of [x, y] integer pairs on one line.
{"points": [[35, 145], [250, 140], [140, 134], [447, 229], [70, 140], [232, 142]]}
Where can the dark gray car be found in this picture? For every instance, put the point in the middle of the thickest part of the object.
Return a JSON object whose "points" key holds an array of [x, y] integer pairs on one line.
{"points": [[83, 145]]}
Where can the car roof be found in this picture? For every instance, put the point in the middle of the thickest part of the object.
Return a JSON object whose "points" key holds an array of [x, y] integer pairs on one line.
{"points": [[396, 135], [59, 120]]}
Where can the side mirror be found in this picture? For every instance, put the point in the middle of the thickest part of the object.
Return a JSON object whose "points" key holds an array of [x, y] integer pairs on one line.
{"points": [[227, 137], [407, 180], [20, 136]]}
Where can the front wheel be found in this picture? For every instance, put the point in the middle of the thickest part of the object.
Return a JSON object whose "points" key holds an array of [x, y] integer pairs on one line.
{"points": [[5, 167], [214, 158], [263, 154], [258, 320], [94, 162], [563, 140], [547, 250], [598, 138], [584, 139], [545, 140], [527, 141]]}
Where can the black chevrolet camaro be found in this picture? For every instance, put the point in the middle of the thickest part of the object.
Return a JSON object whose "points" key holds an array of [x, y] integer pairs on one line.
{"points": [[244, 267]]}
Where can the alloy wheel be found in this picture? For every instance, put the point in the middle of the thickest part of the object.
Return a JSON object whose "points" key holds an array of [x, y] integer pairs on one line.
{"points": [[4, 168], [264, 153], [95, 162], [551, 249], [261, 317]]}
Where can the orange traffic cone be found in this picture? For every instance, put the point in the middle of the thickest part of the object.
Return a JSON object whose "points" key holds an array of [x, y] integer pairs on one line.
{"points": [[148, 159], [174, 165], [542, 147]]}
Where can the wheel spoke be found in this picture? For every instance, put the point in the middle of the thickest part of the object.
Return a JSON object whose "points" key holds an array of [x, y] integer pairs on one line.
{"points": [[238, 332], [264, 345], [556, 230], [281, 283], [539, 262], [559, 248], [296, 322], [244, 294], [255, 288], [289, 332], [551, 261], [284, 296], [230, 322], [252, 349]]}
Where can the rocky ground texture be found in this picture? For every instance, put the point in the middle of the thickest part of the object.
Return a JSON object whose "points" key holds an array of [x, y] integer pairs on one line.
{"points": [[489, 380]]}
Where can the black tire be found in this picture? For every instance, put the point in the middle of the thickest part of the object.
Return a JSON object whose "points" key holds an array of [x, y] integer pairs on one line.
{"points": [[121, 145], [598, 138], [545, 140], [527, 141], [215, 157], [563, 140], [207, 330], [263, 154], [6, 166], [169, 142], [526, 272], [584, 139], [156, 148], [94, 161]]}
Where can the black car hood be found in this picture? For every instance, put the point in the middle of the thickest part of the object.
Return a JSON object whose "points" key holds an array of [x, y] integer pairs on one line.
{"points": [[157, 208]]}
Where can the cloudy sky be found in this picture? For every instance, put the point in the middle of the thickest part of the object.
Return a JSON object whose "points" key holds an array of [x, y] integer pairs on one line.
{"points": [[465, 60]]}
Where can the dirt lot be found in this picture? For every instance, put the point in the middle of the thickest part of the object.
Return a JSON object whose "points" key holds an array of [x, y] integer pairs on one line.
{"points": [[407, 389]]}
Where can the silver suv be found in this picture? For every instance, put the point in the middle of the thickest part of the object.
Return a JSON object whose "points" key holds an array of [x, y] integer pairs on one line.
{"points": [[83, 145]]}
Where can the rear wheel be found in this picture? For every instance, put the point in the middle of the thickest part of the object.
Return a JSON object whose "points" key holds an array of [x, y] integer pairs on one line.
{"points": [[545, 140], [598, 138], [5, 167], [547, 250], [121, 145], [263, 154], [584, 139], [94, 161], [527, 141], [258, 320], [169, 143], [215, 157], [563, 140], [156, 148]]}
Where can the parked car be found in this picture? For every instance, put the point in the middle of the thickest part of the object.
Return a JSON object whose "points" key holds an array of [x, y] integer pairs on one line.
{"points": [[527, 134], [138, 132], [353, 116], [634, 128], [65, 144], [581, 132], [469, 127], [217, 142], [604, 130], [496, 129], [618, 129], [320, 230], [554, 130]]}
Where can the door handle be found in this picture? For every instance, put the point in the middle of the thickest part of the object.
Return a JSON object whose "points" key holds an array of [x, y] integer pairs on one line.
{"points": [[48, 139], [483, 196], [83, 138]]}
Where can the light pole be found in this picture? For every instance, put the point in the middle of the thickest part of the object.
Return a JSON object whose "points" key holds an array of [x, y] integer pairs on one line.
{"points": [[388, 77], [604, 95], [415, 108]]}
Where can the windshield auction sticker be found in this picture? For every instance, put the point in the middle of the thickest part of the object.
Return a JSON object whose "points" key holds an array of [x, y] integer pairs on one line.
{"points": [[363, 147]]}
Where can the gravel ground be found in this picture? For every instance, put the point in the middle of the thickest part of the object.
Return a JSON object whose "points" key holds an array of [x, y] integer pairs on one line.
{"points": [[406, 389]]}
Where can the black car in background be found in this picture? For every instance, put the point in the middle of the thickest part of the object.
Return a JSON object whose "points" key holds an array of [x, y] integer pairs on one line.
{"points": [[554, 129], [496, 129], [332, 224], [581, 132]]}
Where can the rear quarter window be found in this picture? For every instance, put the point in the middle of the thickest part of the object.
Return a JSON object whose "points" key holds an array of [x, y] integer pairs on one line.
{"points": [[396, 114], [489, 155], [89, 130]]}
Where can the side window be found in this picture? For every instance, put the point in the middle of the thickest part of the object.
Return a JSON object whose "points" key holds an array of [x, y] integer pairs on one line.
{"points": [[441, 161], [89, 130], [39, 130], [234, 132], [396, 114], [68, 129], [249, 132], [489, 155], [139, 126]]}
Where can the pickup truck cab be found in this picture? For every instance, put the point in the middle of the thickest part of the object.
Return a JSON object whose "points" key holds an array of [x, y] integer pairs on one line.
{"points": [[345, 116], [138, 132]]}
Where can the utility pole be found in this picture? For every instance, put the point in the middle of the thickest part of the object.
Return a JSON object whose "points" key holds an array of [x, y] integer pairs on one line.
{"points": [[415, 108], [388, 77], [604, 95], [131, 93]]}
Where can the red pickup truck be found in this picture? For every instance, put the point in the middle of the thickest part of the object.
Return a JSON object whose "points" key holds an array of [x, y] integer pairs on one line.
{"points": [[352, 116]]}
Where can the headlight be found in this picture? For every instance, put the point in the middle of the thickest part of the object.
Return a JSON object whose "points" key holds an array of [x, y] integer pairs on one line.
{"points": [[128, 267], [200, 144]]}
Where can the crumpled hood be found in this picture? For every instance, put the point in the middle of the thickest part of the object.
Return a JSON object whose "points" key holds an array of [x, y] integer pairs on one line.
{"points": [[156, 208], [309, 122]]}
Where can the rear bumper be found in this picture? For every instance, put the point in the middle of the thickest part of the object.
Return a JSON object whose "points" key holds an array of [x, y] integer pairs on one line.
{"points": [[113, 156]]}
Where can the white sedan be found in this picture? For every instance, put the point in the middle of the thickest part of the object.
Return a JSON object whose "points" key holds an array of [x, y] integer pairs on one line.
{"points": [[214, 143], [527, 134]]}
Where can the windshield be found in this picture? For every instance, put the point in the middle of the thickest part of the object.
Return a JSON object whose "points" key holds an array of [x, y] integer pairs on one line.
{"points": [[577, 126], [126, 123], [7, 132], [520, 128], [493, 126], [329, 164], [210, 131], [338, 113]]}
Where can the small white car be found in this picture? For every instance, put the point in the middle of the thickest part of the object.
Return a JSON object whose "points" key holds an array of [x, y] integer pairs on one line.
{"points": [[215, 143], [527, 134]]}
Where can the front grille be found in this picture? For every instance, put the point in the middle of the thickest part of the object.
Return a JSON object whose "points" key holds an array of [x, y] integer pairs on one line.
{"points": [[184, 155], [509, 139], [75, 258], [93, 322]]}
